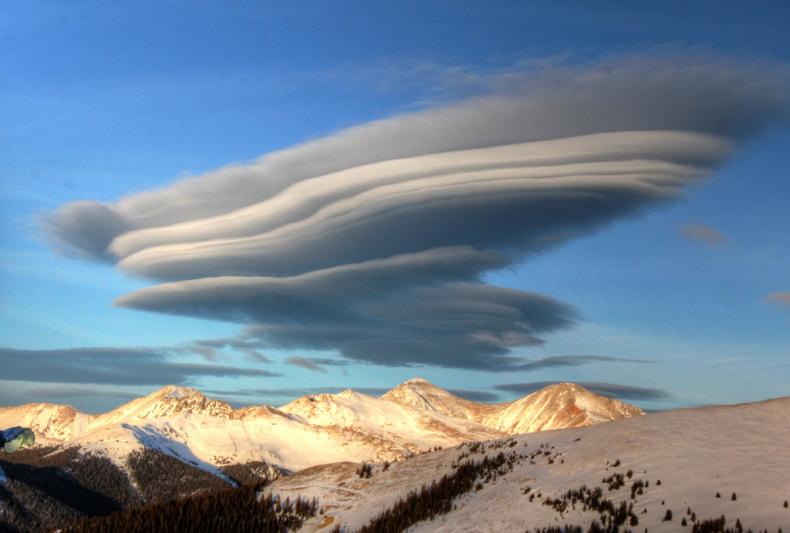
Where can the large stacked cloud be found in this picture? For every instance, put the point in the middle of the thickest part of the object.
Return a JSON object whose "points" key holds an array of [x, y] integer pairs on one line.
{"points": [[373, 241]]}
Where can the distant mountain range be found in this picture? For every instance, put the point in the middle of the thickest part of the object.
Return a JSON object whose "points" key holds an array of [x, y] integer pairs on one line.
{"points": [[414, 417], [178, 444]]}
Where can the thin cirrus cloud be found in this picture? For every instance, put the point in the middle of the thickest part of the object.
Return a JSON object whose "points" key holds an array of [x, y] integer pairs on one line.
{"points": [[703, 234], [290, 393], [293, 393], [372, 242], [316, 364], [559, 361], [779, 298], [211, 348], [111, 366], [625, 392]]}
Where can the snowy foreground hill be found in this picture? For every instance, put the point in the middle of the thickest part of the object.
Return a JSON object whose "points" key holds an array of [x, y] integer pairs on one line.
{"points": [[673, 470], [412, 418]]}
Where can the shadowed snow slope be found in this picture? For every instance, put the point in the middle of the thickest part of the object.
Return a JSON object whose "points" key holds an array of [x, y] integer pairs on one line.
{"points": [[411, 418], [685, 457]]}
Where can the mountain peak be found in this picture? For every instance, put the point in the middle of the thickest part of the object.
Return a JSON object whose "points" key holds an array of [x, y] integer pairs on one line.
{"points": [[563, 387], [176, 392], [348, 394], [562, 405], [419, 393], [170, 400]]}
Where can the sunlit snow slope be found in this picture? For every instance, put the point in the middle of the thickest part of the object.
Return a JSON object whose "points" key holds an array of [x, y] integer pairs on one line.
{"points": [[685, 457]]}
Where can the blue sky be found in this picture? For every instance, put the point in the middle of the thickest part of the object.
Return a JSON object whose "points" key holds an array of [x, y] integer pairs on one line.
{"points": [[103, 101]]}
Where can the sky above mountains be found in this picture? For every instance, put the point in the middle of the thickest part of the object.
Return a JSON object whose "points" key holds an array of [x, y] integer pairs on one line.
{"points": [[270, 200]]}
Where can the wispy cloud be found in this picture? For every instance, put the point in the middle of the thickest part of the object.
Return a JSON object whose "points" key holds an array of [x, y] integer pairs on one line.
{"points": [[703, 234], [210, 348], [780, 298], [287, 394], [476, 395], [373, 242], [559, 361], [88, 398], [316, 364], [293, 393], [625, 392], [117, 366], [58, 393]]}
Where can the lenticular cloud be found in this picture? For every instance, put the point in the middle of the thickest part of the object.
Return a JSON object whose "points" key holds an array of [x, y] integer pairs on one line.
{"points": [[372, 241]]}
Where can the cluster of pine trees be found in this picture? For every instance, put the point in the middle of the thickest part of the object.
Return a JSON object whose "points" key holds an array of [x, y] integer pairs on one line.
{"points": [[161, 477], [253, 472], [718, 525], [47, 486], [613, 517], [365, 470], [436, 498], [242, 510], [557, 529]]}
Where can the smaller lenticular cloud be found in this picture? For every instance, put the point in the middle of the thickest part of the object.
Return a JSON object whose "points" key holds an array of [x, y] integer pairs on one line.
{"points": [[559, 361], [113, 366], [703, 234]]}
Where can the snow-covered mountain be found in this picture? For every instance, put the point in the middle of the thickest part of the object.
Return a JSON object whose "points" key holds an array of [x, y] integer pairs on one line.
{"points": [[672, 470], [560, 406], [414, 417]]}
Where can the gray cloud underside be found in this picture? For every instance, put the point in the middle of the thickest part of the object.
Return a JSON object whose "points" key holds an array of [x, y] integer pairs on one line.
{"points": [[293, 393], [119, 366], [59, 393], [97, 399], [372, 242], [559, 361], [457, 325], [624, 392]]}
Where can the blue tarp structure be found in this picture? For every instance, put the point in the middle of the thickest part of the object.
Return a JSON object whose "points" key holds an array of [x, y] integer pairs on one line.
{"points": [[16, 437], [12, 439]]}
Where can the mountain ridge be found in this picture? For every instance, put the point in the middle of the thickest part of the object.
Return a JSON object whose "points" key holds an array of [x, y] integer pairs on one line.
{"points": [[412, 417]]}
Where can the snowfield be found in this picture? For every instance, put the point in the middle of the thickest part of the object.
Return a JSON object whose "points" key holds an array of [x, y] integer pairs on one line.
{"points": [[694, 453]]}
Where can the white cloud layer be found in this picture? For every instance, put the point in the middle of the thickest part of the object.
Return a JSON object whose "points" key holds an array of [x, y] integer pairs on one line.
{"points": [[372, 241]]}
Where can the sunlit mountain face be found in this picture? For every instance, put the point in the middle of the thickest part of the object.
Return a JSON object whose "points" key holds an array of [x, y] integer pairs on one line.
{"points": [[414, 417]]}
